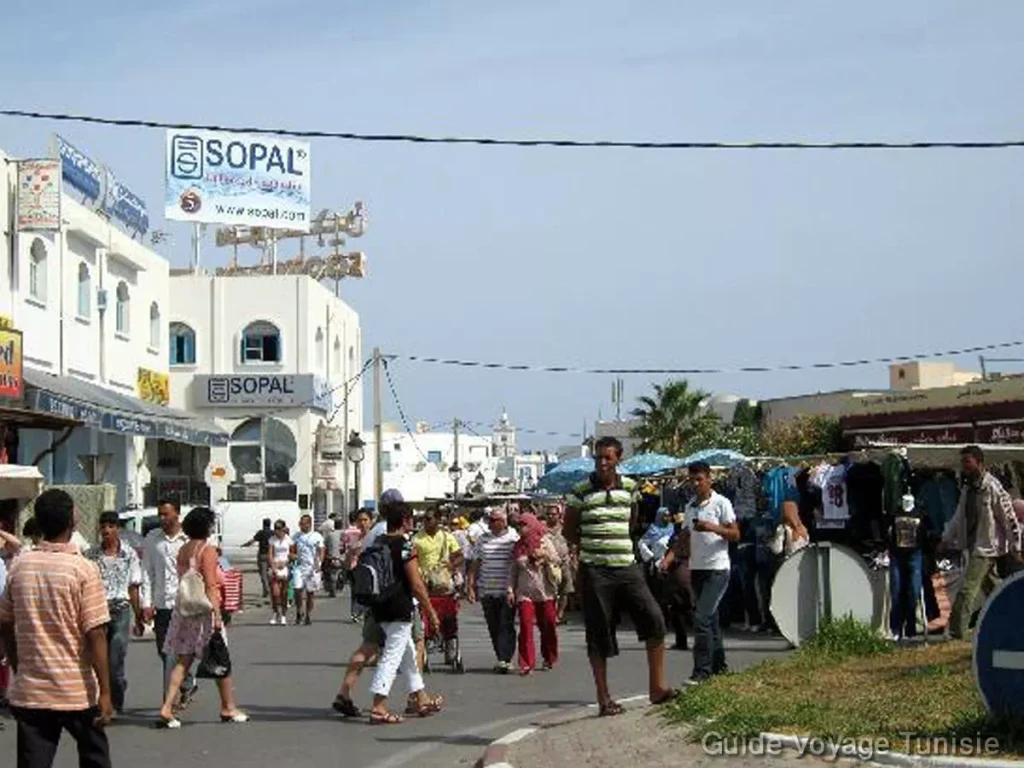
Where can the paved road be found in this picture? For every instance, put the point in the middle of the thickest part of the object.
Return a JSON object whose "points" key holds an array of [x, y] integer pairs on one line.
{"points": [[287, 677]]}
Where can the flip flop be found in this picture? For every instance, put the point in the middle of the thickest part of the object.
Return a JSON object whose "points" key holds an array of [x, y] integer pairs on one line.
{"points": [[665, 697], [611, 709], [345, 707]]}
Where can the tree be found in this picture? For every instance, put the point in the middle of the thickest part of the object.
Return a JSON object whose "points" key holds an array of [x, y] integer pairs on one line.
{"points": [[747, 414], [671, 417], [806, 435]]}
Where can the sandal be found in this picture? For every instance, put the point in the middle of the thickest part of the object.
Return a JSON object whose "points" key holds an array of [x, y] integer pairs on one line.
{"points": [[665, 697], [611, 709], [432, 706], [384, 718], [345, 707]]}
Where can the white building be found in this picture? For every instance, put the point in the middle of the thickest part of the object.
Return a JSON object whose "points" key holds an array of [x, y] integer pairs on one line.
{"points": [[91, 302], [268, 358]]}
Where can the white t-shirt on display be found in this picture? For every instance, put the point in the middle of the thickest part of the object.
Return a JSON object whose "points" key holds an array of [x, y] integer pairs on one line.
{"points": [[835, 505], [709, 551], [306, 546]]}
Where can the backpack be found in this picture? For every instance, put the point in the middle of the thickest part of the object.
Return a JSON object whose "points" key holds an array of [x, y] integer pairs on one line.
{"points": [[373, 578]]}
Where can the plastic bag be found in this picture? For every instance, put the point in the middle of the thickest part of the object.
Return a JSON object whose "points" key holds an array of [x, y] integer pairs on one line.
{"points": [[216, 661]]}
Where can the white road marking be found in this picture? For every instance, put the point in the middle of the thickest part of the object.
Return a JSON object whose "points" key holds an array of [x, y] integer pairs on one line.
{"points": [[1008, 659], [515, 736]]}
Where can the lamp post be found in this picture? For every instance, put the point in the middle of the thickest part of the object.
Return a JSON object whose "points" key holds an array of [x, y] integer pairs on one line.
{"points": [[455, 474], [355, 450]]}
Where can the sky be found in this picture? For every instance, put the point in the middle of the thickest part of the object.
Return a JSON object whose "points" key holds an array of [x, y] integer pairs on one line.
{"points": [[594, 257]]}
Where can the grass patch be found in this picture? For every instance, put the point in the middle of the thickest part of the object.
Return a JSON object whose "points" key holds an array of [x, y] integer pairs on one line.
{"points": [[848, 682]]}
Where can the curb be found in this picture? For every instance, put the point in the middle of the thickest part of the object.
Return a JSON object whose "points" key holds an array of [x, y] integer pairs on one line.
{"points": [[896, 759]]}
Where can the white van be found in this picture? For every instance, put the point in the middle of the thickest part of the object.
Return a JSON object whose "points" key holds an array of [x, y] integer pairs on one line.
{"points": [[239, 520]]}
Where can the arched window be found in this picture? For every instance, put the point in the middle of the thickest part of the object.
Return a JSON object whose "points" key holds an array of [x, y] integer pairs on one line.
{"points": [[37, 270], [261, 343], [336, 358], [183, 344], [122, 322], [318, 341], [154, 326], [259, 443], [84, 290]]}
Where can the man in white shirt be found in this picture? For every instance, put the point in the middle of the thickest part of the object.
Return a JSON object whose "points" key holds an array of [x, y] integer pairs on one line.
{"points": [[160, 586], [308, 551], [710, 524]]}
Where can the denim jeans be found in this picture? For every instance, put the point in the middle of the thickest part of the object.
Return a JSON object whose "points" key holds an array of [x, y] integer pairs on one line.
{"points": [[118, 636], [905, 592], [708, 650]]}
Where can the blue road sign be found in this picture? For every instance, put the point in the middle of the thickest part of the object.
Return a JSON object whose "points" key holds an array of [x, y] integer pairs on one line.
{"points": [[999, 649]]}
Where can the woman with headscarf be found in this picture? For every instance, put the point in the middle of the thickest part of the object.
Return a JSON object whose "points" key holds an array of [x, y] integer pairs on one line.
{"points": [[533, 590], [669, 588]]}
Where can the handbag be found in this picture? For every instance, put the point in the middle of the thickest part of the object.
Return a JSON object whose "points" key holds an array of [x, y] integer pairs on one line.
{"points": [[216, 661], [439, 578], [192, 598]]}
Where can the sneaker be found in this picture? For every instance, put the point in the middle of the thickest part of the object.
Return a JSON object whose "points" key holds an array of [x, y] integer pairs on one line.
{"points": [[273, 621], [282, 621], [696, 680]]}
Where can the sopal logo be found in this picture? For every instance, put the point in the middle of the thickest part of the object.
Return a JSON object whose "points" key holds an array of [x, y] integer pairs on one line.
{"points": [[192, 156]]}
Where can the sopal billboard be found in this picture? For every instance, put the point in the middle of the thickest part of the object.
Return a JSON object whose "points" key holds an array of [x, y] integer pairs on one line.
{"points": [[219, 177]]}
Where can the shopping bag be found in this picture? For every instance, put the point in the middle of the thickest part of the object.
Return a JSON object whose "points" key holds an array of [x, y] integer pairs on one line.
{"points": [[216, 661]]}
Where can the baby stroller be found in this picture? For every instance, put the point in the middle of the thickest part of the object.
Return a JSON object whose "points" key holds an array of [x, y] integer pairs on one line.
{"points": [[446, 641]]}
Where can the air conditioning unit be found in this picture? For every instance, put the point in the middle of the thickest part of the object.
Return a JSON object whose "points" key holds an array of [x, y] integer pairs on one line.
{"points": [[101, 299]]}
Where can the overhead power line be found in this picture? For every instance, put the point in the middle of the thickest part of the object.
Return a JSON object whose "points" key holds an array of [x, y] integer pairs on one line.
{"points": [[401, 412], [780, 367], [500, 142]]}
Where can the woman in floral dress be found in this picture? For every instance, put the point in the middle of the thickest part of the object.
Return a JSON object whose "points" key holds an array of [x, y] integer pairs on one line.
{"points": [[187, 636]]}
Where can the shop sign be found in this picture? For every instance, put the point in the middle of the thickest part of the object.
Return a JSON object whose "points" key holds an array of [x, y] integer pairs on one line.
{"points": [[326, 470], [12, 381], [237, 179], [218, 472], [6, 323], [331, 441], [100, 188], [38, 195], [153, 386], [979, 393], [954, 434], [299, 390]]}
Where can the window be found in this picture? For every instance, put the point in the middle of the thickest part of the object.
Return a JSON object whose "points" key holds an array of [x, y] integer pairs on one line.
{"points": [[123, 320], [434, 457], [385, 461], [320, 348], [336, 360], [259, 443], [154, 326], [261, 343], [183, 344], [37, 270], [84, 290]]}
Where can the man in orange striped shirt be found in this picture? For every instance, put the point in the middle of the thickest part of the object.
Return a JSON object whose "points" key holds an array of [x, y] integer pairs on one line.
{"points": [[53, 620]]}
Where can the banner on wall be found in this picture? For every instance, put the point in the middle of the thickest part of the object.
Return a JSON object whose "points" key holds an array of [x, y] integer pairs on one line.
{"points": [[38, 195], [217, 177], [12, 380], [153, 386]]}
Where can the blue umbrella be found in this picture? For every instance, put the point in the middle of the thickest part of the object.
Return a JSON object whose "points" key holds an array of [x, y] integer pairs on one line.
{"points": [[650, 464], [563, 477], [716, 457]]}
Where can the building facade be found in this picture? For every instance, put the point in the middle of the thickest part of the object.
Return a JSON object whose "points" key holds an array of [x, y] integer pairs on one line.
{"points": [[270, 358], [91, 303]]}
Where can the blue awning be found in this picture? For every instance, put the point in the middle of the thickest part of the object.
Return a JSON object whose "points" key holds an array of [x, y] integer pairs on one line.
{"points": [[109, 411]]}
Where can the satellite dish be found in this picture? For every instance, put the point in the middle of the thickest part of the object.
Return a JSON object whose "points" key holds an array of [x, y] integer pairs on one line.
{"points": [[824, 580]]}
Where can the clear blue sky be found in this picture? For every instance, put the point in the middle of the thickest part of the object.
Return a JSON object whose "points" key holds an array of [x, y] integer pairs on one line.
{"points": [[596, 257]]}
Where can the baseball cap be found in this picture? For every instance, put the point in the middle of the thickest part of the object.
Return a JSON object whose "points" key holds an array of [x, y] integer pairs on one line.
{"points": [[391, 496]]}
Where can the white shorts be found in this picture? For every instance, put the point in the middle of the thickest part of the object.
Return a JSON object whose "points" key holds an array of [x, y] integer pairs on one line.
{"points": [[306, 577]]}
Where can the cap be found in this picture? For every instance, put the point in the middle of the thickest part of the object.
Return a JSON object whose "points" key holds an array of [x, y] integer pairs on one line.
{"points": [[391, 496]]}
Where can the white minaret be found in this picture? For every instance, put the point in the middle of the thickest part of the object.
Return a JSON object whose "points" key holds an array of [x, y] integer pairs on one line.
{"points": [[503, 441]]}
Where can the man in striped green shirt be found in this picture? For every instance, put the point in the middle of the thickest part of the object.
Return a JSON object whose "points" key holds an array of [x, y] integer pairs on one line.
{"points": [[600, 518]]}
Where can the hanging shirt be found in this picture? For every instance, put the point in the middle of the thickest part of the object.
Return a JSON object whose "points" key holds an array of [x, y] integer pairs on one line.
{"points": [[835, 504]]}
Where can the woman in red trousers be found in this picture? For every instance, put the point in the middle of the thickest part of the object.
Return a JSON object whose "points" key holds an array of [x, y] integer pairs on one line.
{"points": [[533, 588]]}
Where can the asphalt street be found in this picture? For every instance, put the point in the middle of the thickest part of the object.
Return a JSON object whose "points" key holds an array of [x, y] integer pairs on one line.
{"points": [[286, 678]]}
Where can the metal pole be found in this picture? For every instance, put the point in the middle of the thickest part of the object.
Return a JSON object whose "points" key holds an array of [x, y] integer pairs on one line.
{"points": [[196, 246], [378, 430], [273, 252], [358, 501], [455, 430], [984, 373]]}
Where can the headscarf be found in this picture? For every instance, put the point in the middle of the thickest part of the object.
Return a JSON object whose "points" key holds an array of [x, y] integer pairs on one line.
{"points": [[530, 535], [1018, 508], [661, 527]]}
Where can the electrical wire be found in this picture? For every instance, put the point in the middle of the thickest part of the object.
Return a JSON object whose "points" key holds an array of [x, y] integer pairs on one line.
{"points": [[777, 368], [499, 142], [401, 411]]}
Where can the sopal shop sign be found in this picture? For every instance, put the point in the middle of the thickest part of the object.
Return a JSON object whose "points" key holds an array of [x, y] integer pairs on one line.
{"points": [[297, 390], [219, 177]]}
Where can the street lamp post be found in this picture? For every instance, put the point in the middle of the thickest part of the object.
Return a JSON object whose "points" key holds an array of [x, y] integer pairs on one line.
{"points": [[355, 450], [455, 474]]}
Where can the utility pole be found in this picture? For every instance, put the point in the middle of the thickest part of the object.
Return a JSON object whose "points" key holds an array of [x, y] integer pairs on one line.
{"points": [[458, 474], [378, 430], [984, 373]]}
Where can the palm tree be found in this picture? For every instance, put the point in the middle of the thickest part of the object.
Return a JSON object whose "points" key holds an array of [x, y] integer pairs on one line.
{"points": [[669, 417]]}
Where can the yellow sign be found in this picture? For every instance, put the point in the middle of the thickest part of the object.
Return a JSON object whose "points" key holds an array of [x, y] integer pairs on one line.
{"points": [[977, 393], [12, 383], [6, 323], [154, 387]]}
